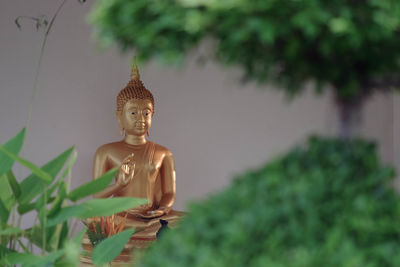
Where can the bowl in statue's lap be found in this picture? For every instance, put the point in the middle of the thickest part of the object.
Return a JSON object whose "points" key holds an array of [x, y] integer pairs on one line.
{"points": [[147, 228]]}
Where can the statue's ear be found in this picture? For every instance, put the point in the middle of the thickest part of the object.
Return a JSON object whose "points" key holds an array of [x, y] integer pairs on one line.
{"points": [[118, 114]]}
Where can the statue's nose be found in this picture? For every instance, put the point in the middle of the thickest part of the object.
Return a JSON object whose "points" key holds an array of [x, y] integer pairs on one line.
{"points": [[140, 122]]}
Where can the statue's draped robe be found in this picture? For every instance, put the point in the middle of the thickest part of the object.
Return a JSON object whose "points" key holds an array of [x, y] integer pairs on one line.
{"points": [[145, 175]]}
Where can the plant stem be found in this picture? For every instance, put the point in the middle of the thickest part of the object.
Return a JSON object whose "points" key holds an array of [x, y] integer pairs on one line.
{"points": [[30, 245], [44, 209], [37, 71], [19, 221], [13, 215], [35, 87], [23, 246], [18, 226]]}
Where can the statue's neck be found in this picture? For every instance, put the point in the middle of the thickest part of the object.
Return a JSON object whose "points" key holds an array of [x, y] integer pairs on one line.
{"points": [[135, 140]]}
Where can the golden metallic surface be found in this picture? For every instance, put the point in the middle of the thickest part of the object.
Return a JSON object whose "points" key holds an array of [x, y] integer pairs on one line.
{"points": [[146, 169], [135, 89], [138, 243]]}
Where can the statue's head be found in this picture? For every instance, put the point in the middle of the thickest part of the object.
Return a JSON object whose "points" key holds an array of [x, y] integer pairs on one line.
{"points": [[135, 106]]}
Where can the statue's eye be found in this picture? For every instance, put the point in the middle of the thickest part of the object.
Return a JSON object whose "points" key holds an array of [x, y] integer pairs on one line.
{"points": [[133, 113], [147, 113]]}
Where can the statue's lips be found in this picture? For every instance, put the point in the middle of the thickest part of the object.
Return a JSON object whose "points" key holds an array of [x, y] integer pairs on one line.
{"points": [[140, 126]]}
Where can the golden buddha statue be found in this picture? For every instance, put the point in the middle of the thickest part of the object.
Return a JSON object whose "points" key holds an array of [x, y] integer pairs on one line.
{"points": [[146, 169]]}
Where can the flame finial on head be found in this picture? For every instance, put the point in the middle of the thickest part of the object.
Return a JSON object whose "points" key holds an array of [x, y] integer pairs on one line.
{"points": [[135, 75], [135, 89]]}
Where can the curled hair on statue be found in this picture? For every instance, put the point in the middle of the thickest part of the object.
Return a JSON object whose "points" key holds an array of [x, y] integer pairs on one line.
{"points": [[135, 89]]}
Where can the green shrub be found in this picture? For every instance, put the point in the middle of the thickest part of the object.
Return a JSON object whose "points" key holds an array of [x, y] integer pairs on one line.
{"points": [[330, 203]]}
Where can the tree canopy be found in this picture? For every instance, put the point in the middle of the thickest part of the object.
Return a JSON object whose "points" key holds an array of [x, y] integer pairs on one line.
{"points": [[351, 45]]}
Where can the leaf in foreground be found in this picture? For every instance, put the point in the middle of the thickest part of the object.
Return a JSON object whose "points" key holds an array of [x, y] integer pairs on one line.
{"points": [[9, 231], [93, 187], [111, 247], [4, 212], [35, 169], [20, 258], [14, 146], [96, 207], [15, 187], [32, 185]]}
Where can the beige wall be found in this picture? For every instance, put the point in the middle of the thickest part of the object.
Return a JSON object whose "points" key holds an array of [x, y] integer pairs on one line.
{"points": [[215, 126]]}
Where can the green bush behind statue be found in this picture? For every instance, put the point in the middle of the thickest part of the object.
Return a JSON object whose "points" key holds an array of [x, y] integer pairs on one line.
{"points": [[329, 203]]}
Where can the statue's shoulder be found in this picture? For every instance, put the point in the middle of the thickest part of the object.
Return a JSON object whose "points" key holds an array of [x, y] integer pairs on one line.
{"points": [[162, 149], [109, 148]]}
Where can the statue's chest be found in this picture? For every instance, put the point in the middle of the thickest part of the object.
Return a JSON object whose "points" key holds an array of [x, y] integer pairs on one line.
{"points": [[146, 163], [144, 167]]}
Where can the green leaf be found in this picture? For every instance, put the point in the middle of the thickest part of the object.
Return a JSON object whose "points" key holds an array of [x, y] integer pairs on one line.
{"points": [[31, 186], [4, 212], [109, 206], [54, 238], [72, 248], [78, 238], [63, 235], [4, 251], [11, 231], [35, 235], [41, 209], [66, 213], [13, 183], [6, 193], [69, 165], [14, 145], [93, 187], [21, 258], [24, 208], [96, 207], [51, 190], [48, 260], [61, 194], [111, 247], [35, 169]]}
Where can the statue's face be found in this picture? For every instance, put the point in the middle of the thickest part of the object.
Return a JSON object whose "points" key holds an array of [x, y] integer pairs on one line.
{"points": [[136, 116]]}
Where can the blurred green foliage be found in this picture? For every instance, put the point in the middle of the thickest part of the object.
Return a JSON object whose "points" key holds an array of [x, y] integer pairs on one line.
{"points": [[352, 45], [46, 193], [329, 203]]}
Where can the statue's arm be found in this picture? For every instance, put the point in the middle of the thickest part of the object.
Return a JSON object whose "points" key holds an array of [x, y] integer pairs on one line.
{"points": [[100, 167], [168, 183]]}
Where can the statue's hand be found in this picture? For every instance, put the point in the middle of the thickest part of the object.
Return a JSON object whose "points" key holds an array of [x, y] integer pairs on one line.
{"points": [[126, 171], [149, 214]]}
